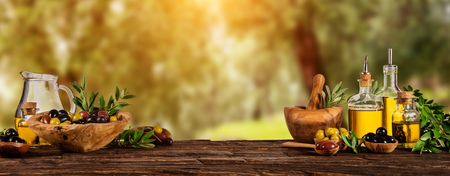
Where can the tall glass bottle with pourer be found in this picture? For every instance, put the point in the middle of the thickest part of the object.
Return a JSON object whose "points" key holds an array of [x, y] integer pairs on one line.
{"points": [[390, 90], [365, 109]]}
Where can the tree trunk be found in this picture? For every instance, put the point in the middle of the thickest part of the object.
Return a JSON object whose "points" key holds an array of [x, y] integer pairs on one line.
{"points": [[307, 54]]}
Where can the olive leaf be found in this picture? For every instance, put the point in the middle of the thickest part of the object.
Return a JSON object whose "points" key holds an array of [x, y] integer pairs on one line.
{"points": [[335, 97], [134, 138], [377, 89], [87, 103]]}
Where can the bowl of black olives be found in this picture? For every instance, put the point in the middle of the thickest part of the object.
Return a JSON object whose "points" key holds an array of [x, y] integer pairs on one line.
{"points": [[380, 142], [12, 145], [78, 137]]}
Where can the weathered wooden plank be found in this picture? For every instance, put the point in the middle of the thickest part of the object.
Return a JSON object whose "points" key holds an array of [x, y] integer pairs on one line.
{"points": [[222, 158]]}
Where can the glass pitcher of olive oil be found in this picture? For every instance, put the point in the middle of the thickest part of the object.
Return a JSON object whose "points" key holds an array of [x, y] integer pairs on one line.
{"points": [[43, 90]]}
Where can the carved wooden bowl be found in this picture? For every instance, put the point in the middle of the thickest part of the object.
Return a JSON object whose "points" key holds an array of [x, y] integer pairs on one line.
{"points": [[13, 149], [381, 147], [303, 124], [79, 137]]}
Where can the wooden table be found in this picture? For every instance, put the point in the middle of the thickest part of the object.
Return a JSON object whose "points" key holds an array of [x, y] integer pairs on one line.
{"points": [[223, 157]]}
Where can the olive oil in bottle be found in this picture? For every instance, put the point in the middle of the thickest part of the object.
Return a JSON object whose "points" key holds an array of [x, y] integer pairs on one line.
{"points": [[389, 90], [365, 108], [406, 121], [364, 121], [29, 109]]}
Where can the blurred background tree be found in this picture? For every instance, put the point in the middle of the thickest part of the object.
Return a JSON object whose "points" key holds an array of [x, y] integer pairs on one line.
{"points": [[220, 69]]}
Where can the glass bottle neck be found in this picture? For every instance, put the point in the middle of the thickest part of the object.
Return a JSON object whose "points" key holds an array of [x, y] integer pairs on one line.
{"points": [[390, 81], [405, 107], [365, 89]]}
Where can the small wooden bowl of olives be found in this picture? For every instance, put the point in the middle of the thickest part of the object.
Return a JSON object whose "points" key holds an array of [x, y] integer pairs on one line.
{"points": [[381, 147], [327, 148], [339, 143], [380, 142], [79, 137]]}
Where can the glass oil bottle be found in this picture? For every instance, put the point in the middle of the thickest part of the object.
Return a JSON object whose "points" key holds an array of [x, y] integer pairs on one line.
{"points": [[389, 90], [29, 109], [406, 121], [365, 108]]}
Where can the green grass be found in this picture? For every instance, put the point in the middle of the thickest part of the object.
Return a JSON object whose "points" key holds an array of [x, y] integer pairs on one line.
{"points": [[264, 129]]}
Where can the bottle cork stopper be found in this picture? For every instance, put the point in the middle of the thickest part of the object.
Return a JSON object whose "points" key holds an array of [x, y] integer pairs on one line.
{"points": [[405, 97], [29, 105], [365, 80], [29, 108], [365, 76]]}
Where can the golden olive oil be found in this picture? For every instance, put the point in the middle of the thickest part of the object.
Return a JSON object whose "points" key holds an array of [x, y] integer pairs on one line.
{"points": [[26, 134], [364, 121], [407, 134], [390, 105], [16, 122]]}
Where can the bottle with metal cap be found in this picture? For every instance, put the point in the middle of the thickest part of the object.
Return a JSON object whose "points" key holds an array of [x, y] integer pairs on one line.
{"points": [[390, 90], [406, 121], [365, 109]]}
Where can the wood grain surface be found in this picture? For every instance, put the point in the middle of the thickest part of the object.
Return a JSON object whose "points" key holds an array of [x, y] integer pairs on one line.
{"points": [[206, 157]]}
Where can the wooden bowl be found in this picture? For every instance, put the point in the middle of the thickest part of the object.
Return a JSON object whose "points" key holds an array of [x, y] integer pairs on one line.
{"points": [[381, 147], [303, 124], [13, 149], [79, 137], [339, 143]]}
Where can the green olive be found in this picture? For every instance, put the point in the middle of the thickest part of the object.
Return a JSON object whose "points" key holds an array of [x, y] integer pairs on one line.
{"points": [[346, 134], [55, 121], [331, 131], [334, 137], [342, 130], [320, 134]]}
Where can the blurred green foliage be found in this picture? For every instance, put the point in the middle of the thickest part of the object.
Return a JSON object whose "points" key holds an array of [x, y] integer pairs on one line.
{"points": [[196, 64]]}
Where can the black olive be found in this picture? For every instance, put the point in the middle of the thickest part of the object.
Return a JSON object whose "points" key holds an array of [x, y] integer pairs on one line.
{"points": [[23, 141], [62, 111], [148, 129], [53, 113], [379, 139], [101, 119], [93, 114], [95, 109], [63, 117], [168, 141], [390, 139], [76, 122], [15, 139], [11, 132], [5, 138], [1, 138], [90, 120], [369, 137], [82, 121], [381, 131]]}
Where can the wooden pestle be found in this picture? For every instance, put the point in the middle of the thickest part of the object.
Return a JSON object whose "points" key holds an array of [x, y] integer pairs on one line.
{"points": [[315, 101]]}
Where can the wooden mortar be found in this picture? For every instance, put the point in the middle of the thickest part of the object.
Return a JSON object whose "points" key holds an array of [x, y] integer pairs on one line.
{"points": [[303, 123]]}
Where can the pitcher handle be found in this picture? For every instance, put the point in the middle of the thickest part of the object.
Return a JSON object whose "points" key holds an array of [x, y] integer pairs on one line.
{"points": [[73, 107]]}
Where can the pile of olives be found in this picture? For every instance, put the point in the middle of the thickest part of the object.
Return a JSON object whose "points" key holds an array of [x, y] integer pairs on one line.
{"points": [[62, 117], [160, 138], [11, 135], [331, 134], [380, 136]]}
